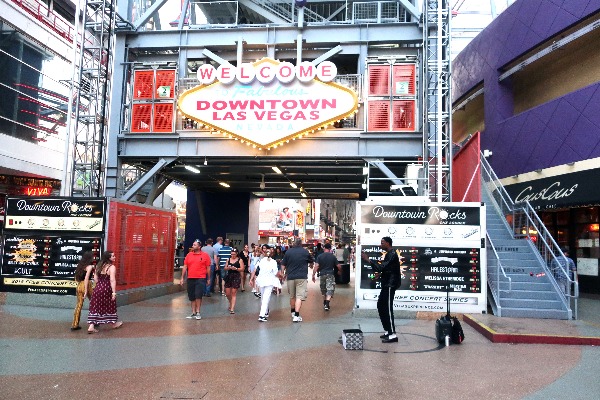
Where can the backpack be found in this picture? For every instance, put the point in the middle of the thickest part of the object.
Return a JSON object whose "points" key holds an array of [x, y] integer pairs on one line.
{"points": [[457, 336]]}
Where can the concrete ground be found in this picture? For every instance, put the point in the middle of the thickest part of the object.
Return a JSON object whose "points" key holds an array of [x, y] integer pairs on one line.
{"points": [[159, 354]]}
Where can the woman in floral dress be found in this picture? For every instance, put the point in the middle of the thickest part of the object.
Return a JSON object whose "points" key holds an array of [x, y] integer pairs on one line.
{"points": [[103, 307]]}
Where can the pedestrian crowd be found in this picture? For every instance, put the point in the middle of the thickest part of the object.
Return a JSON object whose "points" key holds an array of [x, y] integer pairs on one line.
{"points": [[219, 268]]}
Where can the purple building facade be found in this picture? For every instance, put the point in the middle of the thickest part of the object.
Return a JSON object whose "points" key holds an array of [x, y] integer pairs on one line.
{"points": [[534, 76]]}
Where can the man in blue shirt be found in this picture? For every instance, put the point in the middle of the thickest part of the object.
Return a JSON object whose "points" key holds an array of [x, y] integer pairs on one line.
{"points": [[210, 250], [223, 255]]}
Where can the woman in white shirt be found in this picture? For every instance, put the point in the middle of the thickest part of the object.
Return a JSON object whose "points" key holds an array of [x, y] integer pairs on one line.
{"points": [[267, 278]]}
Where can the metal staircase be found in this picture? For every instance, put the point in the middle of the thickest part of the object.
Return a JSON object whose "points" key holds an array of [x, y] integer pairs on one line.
{"points": [[521, 277]]}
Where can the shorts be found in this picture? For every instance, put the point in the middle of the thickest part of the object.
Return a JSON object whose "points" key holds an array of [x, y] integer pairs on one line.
{"points": [[297, 288], [233, 280], [327, 285], [196, 288]]}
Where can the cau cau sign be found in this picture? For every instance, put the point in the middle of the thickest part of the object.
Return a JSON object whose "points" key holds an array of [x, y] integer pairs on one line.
{"points": [[268, 103]]}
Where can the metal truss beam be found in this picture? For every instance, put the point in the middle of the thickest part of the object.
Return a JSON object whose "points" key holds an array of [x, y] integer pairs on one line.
{"points": [[437, 148], [144, 179]]}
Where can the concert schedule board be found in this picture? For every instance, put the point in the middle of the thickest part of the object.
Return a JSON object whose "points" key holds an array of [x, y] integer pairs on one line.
{"points": [[44, 239], [44, 264], [441, 247]]}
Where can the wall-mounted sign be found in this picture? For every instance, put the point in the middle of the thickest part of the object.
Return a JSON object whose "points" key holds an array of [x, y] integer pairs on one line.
{"points": [[55, 214], [268, 102], [43, 264], [568, 190]]}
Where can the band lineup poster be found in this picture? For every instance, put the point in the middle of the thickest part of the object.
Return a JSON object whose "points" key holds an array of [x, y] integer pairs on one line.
{"points": [[441, 248], [44, 239], [44, 264]]}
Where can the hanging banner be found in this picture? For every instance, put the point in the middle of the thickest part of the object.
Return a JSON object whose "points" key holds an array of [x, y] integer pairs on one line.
{"points": [[441, 249]]}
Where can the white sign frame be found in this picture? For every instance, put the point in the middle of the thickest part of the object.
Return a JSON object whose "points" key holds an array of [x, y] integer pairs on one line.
{"points": [[447, 233]]}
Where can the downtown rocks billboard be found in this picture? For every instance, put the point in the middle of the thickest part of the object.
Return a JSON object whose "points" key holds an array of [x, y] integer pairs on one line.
{"points": [[44, 239], [441, 247]]}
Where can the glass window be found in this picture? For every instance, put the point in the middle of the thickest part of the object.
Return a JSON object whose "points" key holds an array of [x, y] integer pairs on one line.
{"points": [[586, 215], [562, 218]]}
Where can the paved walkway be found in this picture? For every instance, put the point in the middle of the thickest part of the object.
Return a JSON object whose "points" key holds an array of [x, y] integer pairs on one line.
{"points": [[158, 354]]}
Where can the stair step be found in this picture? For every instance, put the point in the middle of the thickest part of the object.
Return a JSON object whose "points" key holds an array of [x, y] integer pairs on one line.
{"points": [[533, 304], [527, 286], [523, 278], [528, 313], [529, 294]]}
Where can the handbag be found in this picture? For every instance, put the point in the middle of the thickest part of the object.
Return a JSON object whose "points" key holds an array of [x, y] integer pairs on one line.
{"points": [[256, 272]]}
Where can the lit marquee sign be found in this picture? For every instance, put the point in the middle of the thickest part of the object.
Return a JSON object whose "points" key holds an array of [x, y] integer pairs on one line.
{"points": [[268, 103]]}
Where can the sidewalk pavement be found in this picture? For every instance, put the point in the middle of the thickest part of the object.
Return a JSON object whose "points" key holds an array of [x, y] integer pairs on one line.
{"points": [[159, 354]]}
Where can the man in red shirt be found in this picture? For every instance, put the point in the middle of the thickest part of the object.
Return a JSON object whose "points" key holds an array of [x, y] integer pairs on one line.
{"points": [[197, 265]]}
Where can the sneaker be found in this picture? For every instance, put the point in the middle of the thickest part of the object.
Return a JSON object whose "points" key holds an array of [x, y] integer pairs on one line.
{"points": [[267, 315], [262, 319], [192, 316], [208, 294], [198, 316], [326, 308], [297, 319], [384, 336]]}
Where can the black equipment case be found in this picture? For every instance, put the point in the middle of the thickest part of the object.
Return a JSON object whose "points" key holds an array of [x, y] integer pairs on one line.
{"points": [[443, 325]]}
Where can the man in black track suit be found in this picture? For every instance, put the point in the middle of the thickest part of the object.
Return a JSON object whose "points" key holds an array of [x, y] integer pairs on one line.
{"points": [[389, 270]]}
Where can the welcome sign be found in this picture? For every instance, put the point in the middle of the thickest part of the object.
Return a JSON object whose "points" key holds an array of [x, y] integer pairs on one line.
{"points": [[268, 103]]}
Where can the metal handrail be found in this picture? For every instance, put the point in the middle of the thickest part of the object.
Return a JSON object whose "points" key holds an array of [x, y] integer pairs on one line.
{"points": [[527, 224], [553, 259], [495, 286]]}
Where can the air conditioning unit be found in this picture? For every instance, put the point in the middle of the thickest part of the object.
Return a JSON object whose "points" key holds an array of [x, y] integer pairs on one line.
{"points": [[403, 190]]}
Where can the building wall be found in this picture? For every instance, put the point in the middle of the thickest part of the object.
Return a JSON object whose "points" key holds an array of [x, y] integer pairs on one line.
{"points": [[560, 131]]}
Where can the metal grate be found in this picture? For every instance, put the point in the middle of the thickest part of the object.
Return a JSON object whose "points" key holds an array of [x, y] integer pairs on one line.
{"points": [[141, 117], [163, 117], [143, 84], [379, 80], [165, 84], [404, 80], [378, 12], [379, 115], [403, 112]]}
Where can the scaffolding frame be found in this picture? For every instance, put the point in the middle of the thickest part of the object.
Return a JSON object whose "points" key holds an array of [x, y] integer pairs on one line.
{"points": [[438, 104]]}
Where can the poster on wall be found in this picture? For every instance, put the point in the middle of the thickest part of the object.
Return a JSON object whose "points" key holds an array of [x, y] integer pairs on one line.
{"points": [[44, 238], [441, 249], [44, 264]]}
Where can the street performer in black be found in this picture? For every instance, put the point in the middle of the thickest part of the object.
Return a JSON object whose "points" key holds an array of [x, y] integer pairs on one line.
{"points": [[389, 270]]}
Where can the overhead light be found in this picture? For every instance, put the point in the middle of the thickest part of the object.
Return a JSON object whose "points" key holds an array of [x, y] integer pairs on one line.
{"points": [[365, 170], [277, 170], [224, 184], [303, 193], [292, 184], [364, 185], [205, 161], [193, 169], [262, 182]]}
